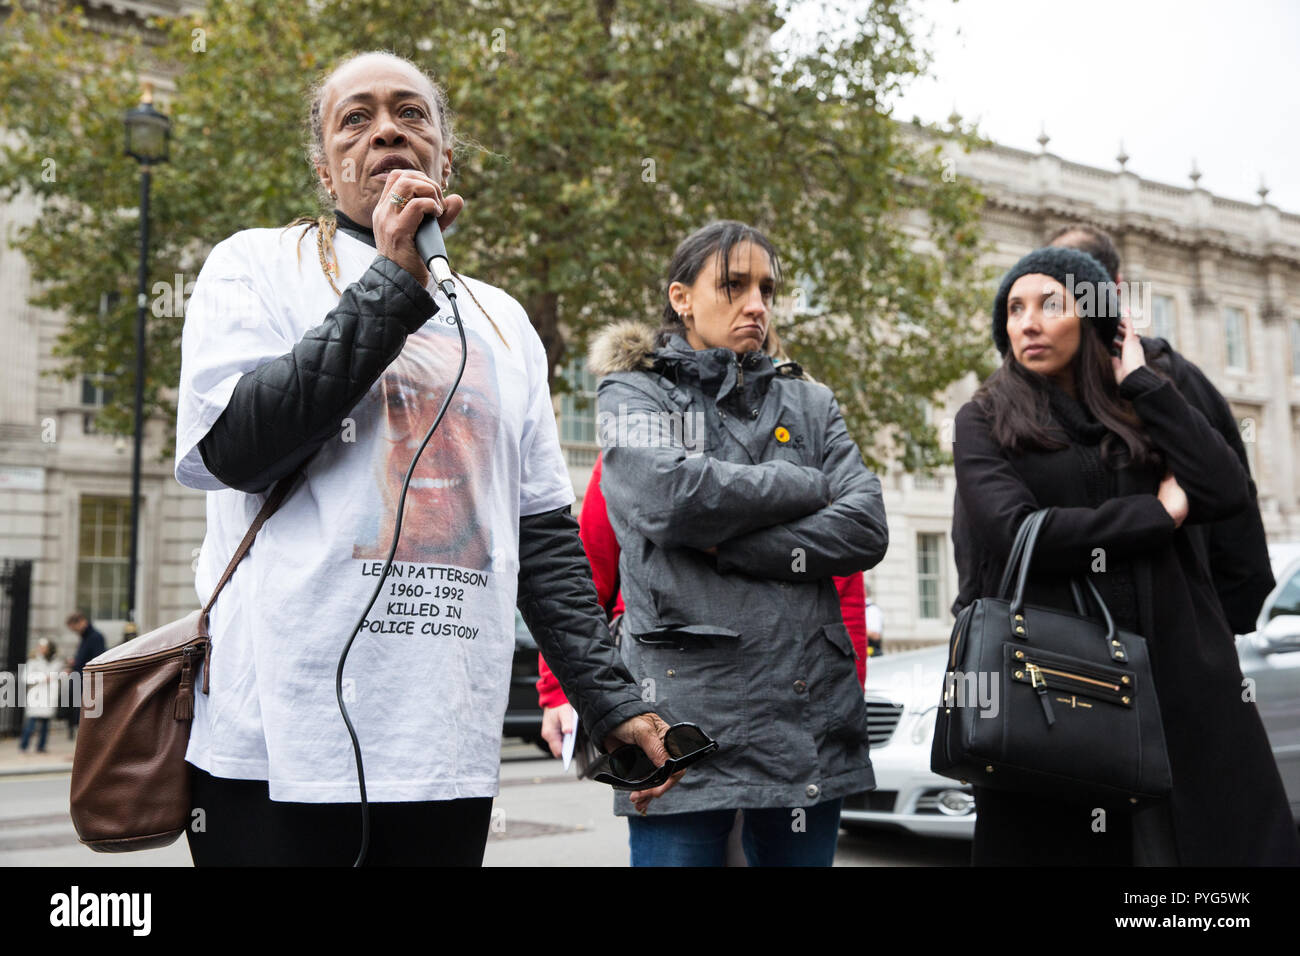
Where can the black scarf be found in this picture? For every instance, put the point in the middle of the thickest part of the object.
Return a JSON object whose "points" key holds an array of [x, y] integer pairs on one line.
{"points": [[1117, 586], [1075, 417]]}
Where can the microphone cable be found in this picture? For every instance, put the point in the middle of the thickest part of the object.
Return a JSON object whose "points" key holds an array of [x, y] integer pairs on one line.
{"points": [[449, 288]]}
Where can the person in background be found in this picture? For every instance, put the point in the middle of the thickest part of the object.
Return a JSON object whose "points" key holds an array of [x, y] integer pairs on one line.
{"points": [[1235, 549], [41, 678], [91, 646], [602, 552], [875, 622]]}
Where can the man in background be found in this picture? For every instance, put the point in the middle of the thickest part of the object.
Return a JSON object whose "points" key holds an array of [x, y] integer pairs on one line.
{"points": [[1235, 549], [91, 645]]}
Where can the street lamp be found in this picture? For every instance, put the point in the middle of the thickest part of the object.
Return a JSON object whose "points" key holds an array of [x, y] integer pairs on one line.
{"points": [[147, 135]]}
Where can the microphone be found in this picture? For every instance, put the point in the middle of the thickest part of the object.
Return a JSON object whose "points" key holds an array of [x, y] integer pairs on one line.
{"points": [[433, 252]]}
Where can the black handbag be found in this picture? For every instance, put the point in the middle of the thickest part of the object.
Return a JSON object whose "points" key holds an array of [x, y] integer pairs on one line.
{"points": [[1043, 701]]}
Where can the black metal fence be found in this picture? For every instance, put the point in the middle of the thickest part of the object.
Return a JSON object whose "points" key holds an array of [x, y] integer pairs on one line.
{"points": [[15, 603]]}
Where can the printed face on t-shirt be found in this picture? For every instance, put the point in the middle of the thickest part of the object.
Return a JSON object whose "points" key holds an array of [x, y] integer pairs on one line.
{"points": [[443, 520]]}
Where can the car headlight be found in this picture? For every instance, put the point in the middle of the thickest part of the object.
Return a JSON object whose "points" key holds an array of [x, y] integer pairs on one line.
{"points": [[956, 803]]}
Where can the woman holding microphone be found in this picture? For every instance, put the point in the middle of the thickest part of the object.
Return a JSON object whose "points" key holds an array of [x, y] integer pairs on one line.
{"points": [[327, 351]]}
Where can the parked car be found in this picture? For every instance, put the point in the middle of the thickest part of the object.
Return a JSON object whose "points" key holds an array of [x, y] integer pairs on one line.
{"points": [[903, 691], [523, 716], [1270, 662], [902, 695]]}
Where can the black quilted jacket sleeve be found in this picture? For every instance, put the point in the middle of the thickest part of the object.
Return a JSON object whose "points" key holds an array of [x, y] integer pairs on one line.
{"points": [[559, 605], [283, 411]]}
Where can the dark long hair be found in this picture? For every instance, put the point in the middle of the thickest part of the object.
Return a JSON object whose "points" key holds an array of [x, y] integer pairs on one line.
{"points": [[715, 239], [1016, 401]]}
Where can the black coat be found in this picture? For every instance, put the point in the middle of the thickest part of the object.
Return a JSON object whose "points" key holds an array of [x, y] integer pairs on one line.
{"points": [[1235, 549], [285, 409], [91, 646], [1228, 806]]}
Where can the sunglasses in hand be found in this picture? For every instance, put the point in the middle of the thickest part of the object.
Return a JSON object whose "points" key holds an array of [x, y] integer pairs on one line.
{"points": [[628, 767]]}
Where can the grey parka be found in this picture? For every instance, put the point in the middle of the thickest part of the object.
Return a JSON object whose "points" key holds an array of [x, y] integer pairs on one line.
{"points": [[703, 450]]}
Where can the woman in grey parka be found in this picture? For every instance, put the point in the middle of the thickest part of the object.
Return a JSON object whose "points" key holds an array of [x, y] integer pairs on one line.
{"points": [[737, 494]]}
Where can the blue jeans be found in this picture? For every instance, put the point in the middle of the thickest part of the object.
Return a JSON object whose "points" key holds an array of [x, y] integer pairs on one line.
{"points": [[780, 836], [29, 726]]}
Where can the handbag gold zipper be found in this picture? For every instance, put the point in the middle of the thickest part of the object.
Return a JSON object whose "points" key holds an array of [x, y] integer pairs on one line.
{"points": [[1079, 677], [1038, 682]]}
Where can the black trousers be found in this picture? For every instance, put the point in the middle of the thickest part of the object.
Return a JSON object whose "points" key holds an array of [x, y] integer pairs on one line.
{"points": [[1020, 829], [241, 826]]}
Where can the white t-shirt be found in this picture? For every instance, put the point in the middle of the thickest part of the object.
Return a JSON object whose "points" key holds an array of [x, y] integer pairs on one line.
{"points": [[427, 679]]}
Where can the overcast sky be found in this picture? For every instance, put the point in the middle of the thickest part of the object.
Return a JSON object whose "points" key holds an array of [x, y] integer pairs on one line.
{"points": [[1214, 81]]}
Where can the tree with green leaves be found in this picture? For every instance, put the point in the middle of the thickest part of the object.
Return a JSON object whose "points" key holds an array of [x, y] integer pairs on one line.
{"points": [[592, 135]]}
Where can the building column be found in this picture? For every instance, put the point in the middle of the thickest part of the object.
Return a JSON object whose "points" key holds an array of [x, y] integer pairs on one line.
{"points": [[1281, 450]]}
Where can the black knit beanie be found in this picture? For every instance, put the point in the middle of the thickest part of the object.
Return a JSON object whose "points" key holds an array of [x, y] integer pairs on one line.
{"points": [[1086, 278]]}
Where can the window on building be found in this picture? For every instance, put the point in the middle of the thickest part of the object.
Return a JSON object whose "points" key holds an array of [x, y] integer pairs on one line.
{"points": [[108, 303], [1162, 318], [1234, 338], [1295, 346], [103, 557], [1250, 424], [94, 392], [578, 407], [929, 570]]}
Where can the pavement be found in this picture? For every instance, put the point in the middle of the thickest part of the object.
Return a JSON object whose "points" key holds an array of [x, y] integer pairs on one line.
{"points": [[58, 756], [543, 817]]}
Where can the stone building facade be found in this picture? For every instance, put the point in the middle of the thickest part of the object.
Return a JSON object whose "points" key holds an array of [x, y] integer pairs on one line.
{"points": [[1218, 278], [1224, 279], [65, 490]]}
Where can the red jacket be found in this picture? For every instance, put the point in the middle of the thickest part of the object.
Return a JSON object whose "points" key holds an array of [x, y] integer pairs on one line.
{"points": [[602, 551]]}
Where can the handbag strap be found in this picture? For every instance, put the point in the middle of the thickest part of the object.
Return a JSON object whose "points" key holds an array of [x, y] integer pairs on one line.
{"points": [[1113, 644], [1022, 553], [269, 507], [1013, 559], [1076, 593]]}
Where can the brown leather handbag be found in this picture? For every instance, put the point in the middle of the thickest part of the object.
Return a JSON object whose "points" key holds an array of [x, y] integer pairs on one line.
{"points": [[130, 782]]}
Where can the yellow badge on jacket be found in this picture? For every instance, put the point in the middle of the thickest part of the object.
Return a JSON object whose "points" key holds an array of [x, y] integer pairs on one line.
{"points": [[782, 434]]}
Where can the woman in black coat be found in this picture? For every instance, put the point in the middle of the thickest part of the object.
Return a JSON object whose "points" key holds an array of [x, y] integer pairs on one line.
{"points": [[1124, 463]]}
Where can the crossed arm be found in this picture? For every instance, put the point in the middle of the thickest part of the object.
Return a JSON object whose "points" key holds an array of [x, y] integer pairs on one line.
{"points": [[774, 519]]}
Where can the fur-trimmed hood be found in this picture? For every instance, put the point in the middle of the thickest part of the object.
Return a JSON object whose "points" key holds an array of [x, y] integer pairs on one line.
{"points": [[626, 346], [629, 346]]}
